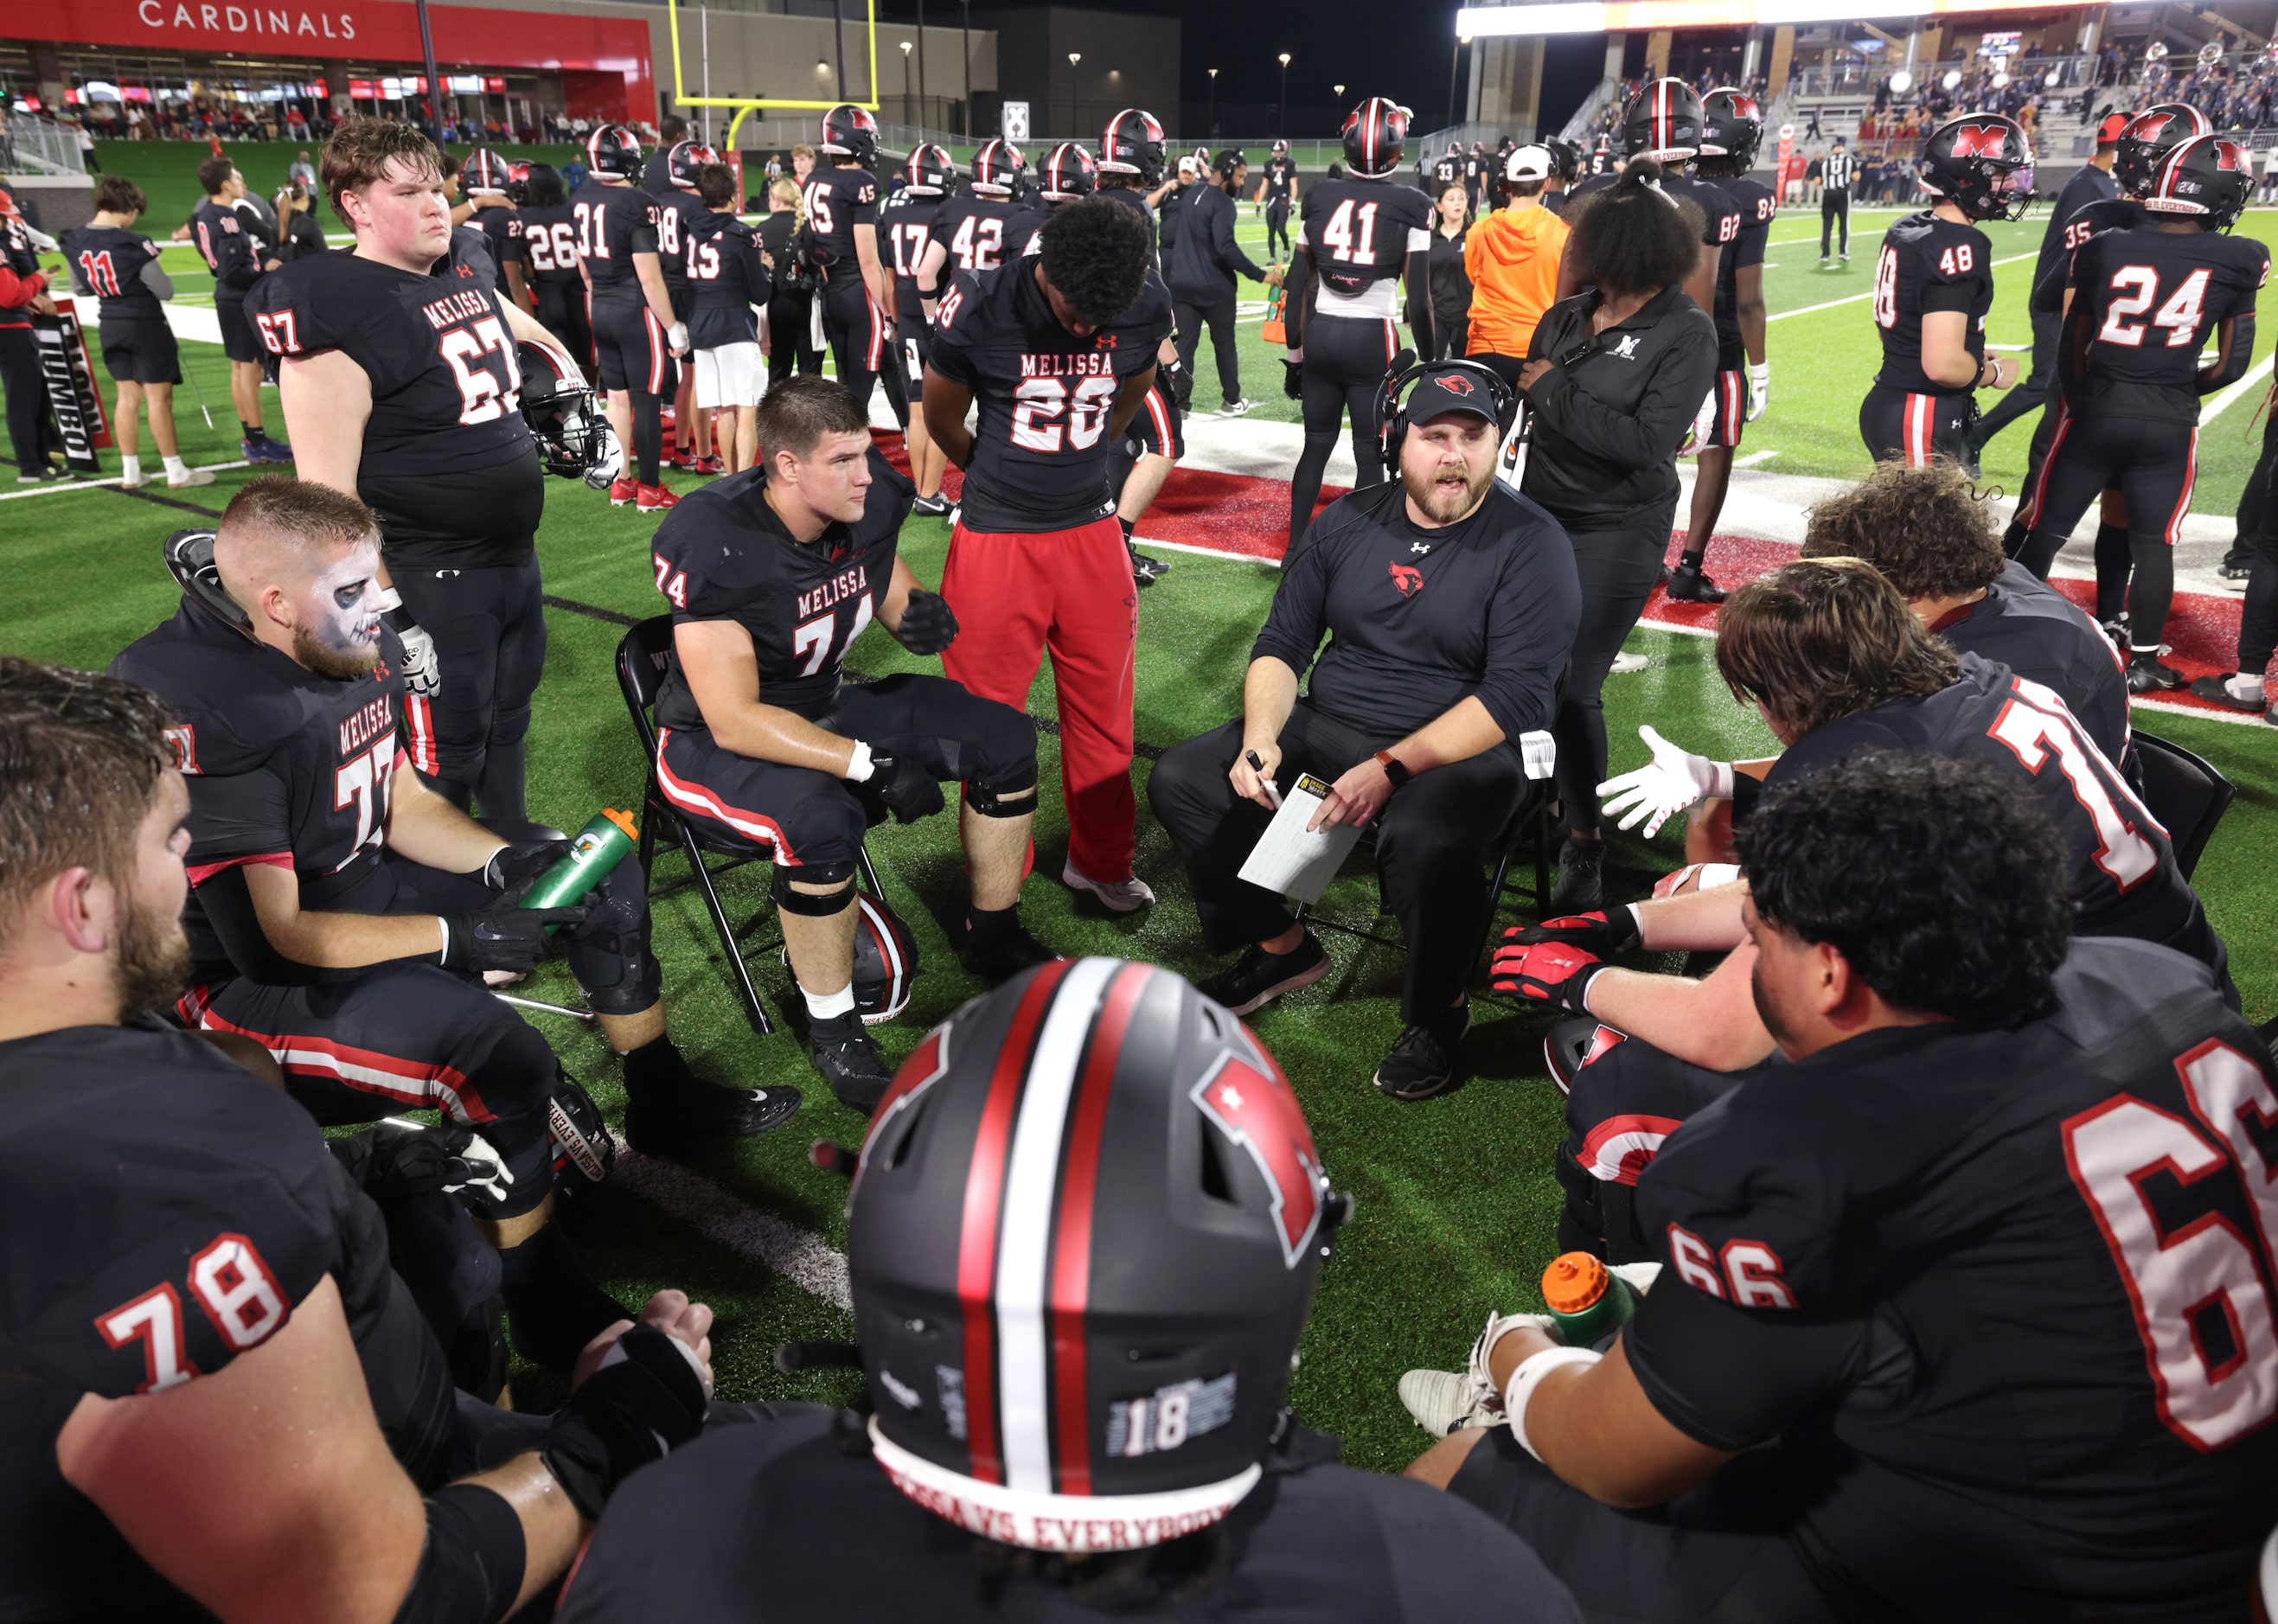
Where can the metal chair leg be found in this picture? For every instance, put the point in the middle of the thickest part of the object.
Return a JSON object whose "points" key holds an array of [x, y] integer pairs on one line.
{"points": [[540, 1003], [753, 1009]]}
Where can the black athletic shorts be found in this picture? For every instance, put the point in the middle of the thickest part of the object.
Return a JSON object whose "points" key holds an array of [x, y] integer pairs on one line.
{"points": [[808, 819], [1917, 427], [239, 342], [630, 345], [141, 351]]}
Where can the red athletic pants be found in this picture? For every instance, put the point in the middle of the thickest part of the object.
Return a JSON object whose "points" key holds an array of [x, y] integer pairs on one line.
{"points": [[1071, 591]]}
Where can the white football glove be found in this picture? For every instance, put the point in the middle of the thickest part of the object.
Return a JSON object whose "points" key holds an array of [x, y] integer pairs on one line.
{"points": [[1760, 388], [1672, 780], [1704, 424], [486, 1170], [423, 675]]}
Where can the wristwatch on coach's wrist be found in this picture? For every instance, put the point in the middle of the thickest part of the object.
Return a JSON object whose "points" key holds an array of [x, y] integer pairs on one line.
{"points": [[1393, 769]]}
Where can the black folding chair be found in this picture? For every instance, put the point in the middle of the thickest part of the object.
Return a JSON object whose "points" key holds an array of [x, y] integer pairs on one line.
{"points": [[642, 660], [2187, 793]]}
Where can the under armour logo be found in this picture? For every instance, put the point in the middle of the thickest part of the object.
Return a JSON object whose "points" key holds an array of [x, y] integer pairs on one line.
{"points": [[1419, 547]]}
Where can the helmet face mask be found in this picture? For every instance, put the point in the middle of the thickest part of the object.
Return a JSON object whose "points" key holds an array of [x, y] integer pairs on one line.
{"points": [[1133, 145], [574, 437]]}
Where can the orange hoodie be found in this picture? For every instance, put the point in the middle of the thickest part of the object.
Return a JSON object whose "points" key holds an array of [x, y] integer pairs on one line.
{"points": [[1512, 260]]}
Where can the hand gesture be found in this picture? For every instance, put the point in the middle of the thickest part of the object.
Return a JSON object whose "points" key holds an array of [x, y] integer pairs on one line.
{"points": [[1674, 779]]}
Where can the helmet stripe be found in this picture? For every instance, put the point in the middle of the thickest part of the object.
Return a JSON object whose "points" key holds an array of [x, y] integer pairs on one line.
{"points": [[1071, 1282], [977, 1247], [1024, 1227]]}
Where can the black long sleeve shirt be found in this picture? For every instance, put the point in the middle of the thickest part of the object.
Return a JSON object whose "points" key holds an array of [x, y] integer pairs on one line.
{"points": [[1419, 619], [1202, 259]]}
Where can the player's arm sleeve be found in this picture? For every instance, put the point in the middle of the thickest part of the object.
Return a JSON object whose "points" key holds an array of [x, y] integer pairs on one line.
{"points": [[862, 209], [1420, 313], [154, 278], [1530, 621], [296, 324], [641, 236], [1748, 246], [1294, 625]]}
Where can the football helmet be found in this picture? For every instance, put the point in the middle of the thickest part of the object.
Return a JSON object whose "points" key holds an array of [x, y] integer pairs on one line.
{"points": [[584, 1150], [2150, 136], [931, 172], [1662, 123], [1375, 135], [485, 171], [613, 150], [1731, 126], [1565, 159], [1133, 145], [885, 960], [685, 159], [2208, 176], [998, 167], [1280, 149], [1066, 173], [850, 132], [518, 184], [190, 561], [573, 435], [1983, 164], [1135, 1176]]}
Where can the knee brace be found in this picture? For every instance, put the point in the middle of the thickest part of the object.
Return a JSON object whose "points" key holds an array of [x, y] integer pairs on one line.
{"points": [[609, 953], [1015, 797], [814, 904]]}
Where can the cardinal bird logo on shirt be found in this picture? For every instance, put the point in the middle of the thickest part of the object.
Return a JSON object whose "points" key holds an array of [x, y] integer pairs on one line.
{"points": [[1408, 579]]}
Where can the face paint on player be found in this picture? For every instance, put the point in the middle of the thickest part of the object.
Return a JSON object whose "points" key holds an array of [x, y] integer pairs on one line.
{"points": [[336, 616], [404, 218], [1446, 464]]}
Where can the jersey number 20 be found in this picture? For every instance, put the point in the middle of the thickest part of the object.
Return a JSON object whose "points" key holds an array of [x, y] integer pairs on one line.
{"points": [[1039, 401]]}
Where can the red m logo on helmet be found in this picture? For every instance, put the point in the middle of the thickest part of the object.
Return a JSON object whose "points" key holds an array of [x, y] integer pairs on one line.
{"points": [[1980, 141], [2227, 156], [1256, 1111], [2150, 127]]}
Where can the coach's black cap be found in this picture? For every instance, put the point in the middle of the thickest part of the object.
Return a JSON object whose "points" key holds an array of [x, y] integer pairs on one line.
{"points": [[1440, 393]]}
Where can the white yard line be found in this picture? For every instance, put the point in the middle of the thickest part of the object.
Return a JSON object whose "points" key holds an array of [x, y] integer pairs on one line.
{"points": [[775, 1244], [156, 485], [2228, 398], [1755, 457], [1781, 316]]}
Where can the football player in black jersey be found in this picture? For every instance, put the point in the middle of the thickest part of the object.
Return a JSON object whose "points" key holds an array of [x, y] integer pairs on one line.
{"points": [[486, 180], [1277, 189], [220, 1401], [1131, 173], [771, 577], [237, 256], [638, 334], [726, 279], [678, 209], [1019, 1464], [1731, 129], [1903, 689], [1933, 285], [841, 234], [2148, 300], [399, 374], [111, 262], [907, 221], [1363, 233], [979, 228], [1979, 1251], [342, 913], [549, 238], [1663, 123], [1058, 351]]}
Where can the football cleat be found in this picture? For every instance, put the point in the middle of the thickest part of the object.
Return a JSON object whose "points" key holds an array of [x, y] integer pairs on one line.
{"points": [[1146, 570], [654, 498], [622, 492], [930, 507], [847, 1056], [1689, 583], [1423, 1063], [1005, 956], [2147, 675], [1444, 1402], [2222, 691]]}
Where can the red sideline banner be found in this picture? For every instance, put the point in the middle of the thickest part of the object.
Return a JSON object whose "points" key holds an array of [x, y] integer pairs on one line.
{"points": [[72, 394]]}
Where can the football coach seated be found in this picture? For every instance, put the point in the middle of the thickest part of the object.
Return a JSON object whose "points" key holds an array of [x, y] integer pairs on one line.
{"points": [[1449, 602], [1960, 1314]]}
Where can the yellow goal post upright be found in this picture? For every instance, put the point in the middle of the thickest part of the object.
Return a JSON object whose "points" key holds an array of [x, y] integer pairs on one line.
{"points": [[747, 105]]}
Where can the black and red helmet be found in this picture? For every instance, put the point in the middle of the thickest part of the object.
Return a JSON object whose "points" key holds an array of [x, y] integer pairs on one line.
{"points": [[2150, 136], [685, 159], [613, 150], [1662, 123], [1083, 1239], [1066, 173], [1983, 164], [485, 171], [1133, 145], [850, 132], [2207, 176], [518, 184], [885, 960], [1732, 126], [998, 167], [931, 171], [1375, 133]]}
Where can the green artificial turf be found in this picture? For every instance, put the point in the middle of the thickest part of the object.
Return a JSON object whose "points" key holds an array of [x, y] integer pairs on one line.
{"points": [[1455, 1201]]}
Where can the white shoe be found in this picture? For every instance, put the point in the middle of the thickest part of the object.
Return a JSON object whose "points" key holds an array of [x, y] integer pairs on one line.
{"points": [[1120, 896], [1235, 408], [190, 476], [1444, 1402], [135, 483], [1624, 664]]}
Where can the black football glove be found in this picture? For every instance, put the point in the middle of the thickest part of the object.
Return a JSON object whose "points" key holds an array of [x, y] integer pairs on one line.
{"points": [[929, 624], [503, 937], [634, 1410], [1293, 379], [520, 864], [1604, 932], [398, 1158], [1552, 973], [908, 790]]}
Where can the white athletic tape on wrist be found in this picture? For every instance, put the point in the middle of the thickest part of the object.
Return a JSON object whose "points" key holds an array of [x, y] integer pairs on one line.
{"points": [[860, 767], [1528, 1377]]}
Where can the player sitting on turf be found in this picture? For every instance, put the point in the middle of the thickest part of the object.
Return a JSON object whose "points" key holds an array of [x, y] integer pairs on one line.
{"points": [[1125, 1453], [1960, 1314], [343, 914], [218, 1400], [771, 575], [1827, 651]]}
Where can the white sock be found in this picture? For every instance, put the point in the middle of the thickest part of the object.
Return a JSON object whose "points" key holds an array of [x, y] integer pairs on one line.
{"points": [[2244, 685], [829, 1006], [130, 467], [176, 468]]}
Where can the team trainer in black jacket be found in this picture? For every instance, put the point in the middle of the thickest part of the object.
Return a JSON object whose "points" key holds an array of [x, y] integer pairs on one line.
{"points": [[1614, 377], [1199, 262], [1451, 603]]}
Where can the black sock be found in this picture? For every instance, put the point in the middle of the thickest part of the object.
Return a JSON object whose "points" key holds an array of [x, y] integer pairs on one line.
{"points": [[2150, 595], [252, 429], [648, 436], [993, 924], [1129, 525], [1692, 558], [553, 1305], [655, 1062], [2113, 559]]}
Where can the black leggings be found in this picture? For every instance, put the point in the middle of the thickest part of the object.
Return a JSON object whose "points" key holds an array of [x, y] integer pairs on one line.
{"points": [[489, 626], [791, 336], [27, 396], [1345, 363], [1619, 569], [562, 311], [2154, 462], [1277, 226], [1193, 314]]}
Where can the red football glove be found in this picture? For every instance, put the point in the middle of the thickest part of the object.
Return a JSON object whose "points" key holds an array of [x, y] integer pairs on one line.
{"points": [[1552, 973], [1602, 932]]}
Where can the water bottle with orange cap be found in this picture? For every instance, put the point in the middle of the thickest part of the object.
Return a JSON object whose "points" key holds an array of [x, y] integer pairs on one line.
{"points": [[1588, 1301]]}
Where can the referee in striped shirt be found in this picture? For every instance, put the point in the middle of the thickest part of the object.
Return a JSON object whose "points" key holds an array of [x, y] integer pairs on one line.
{"points": [[1835, 172]]}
